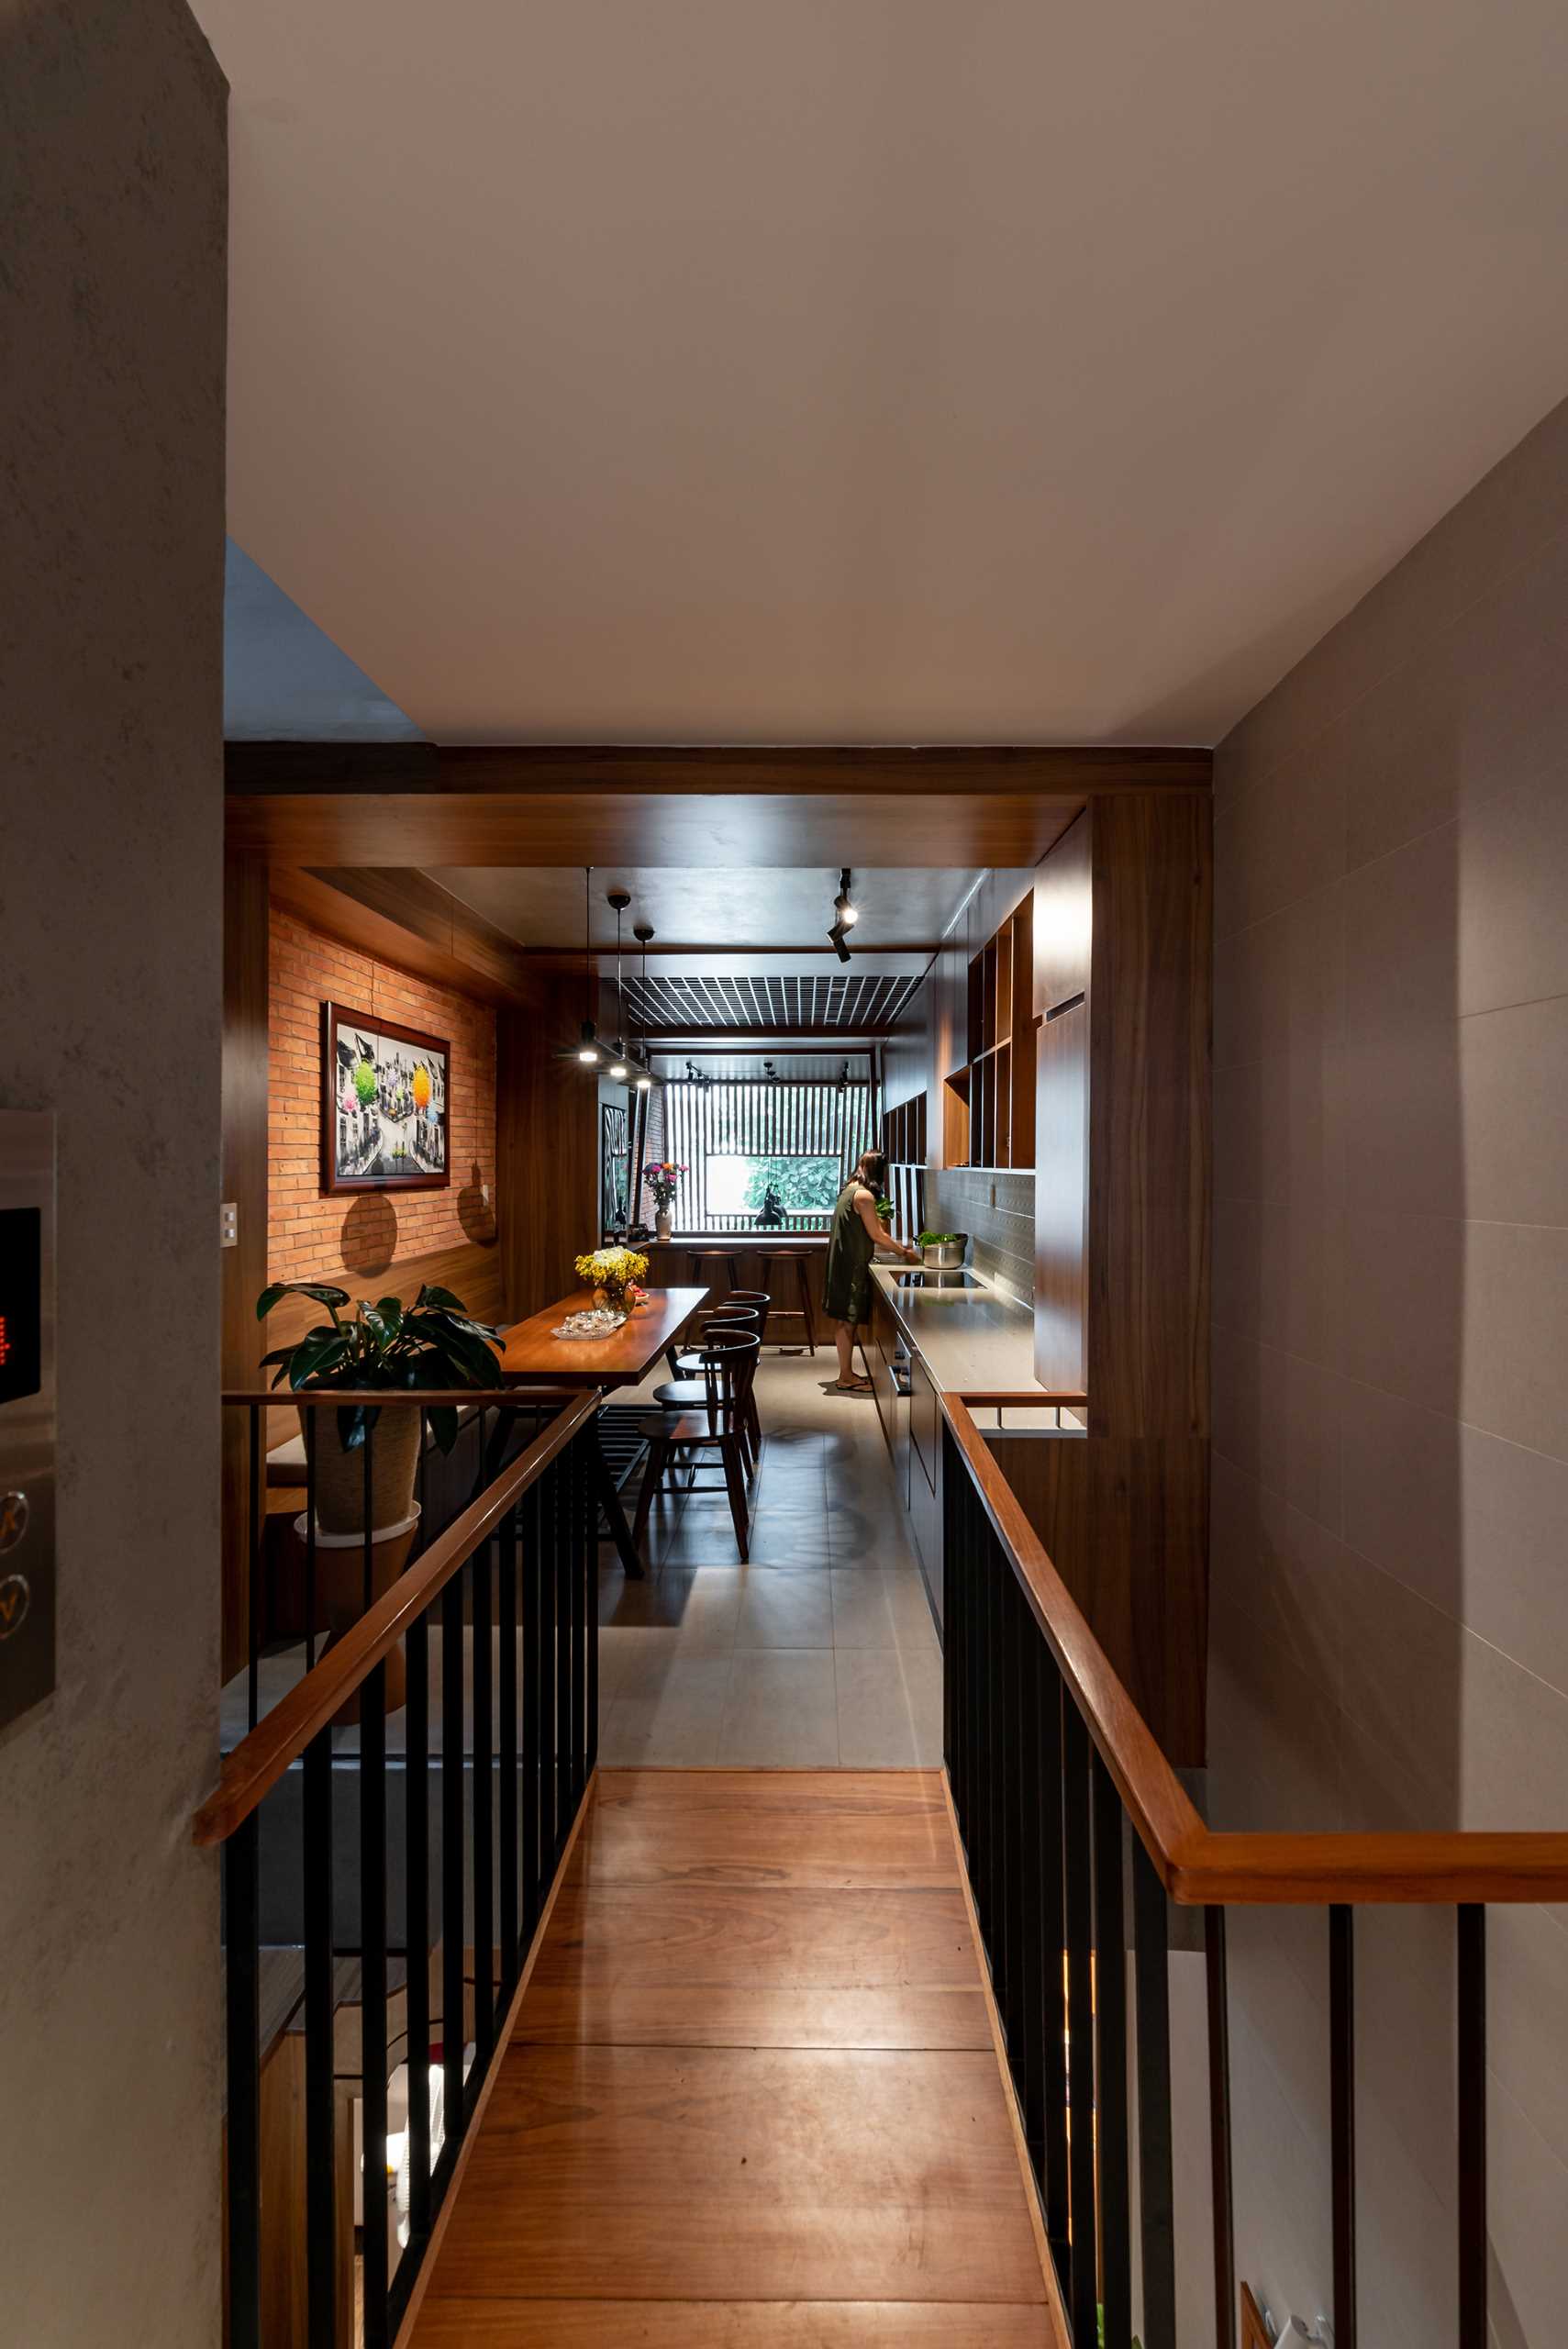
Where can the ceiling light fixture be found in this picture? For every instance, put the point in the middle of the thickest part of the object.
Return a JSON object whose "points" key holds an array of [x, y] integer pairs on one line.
{"points": [[620, 899], [846, 913], [586, 1049], [642, 932]]}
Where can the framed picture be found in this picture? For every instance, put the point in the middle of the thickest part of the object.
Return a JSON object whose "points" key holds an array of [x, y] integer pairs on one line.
{"points": [[616, 1168], [386, 1104]]}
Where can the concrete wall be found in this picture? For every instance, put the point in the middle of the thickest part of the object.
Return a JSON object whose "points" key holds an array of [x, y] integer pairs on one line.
{"points": [[1390, 1547], [113, 193]]}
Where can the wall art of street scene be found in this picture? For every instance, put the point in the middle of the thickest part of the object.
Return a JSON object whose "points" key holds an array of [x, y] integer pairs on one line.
{"points": [[385, 1103]]}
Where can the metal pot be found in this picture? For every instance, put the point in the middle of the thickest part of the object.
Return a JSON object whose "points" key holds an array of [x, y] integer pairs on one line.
{"points": [[946, 1255]]}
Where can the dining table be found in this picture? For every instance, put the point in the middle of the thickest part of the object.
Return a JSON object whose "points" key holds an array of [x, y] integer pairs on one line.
{"points": [[534, 1354]]}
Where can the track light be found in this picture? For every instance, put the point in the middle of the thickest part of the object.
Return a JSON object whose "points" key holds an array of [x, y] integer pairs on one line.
{"points": [[588, 1050]]}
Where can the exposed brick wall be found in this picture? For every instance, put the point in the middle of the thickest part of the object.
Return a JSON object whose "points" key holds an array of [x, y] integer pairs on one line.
{"points": [[307, 1231]]}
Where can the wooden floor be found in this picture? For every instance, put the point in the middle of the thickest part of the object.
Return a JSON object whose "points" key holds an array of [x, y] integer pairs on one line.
{"points": [[753, 2095]]}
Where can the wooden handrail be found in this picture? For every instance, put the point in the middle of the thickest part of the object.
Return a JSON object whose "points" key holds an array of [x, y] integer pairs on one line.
{"points": [[1196, 1864], [389, 1397], [260, 1760]]}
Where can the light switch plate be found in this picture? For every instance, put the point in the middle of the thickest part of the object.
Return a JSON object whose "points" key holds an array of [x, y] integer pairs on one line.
{"points": [[228, 1224]]}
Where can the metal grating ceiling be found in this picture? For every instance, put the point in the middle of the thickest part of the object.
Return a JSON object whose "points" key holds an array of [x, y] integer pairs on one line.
{"points": [[846, 1003]]}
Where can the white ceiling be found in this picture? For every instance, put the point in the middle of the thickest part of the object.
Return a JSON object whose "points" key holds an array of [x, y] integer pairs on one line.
{"points": [[874, 370], [726, 908]]}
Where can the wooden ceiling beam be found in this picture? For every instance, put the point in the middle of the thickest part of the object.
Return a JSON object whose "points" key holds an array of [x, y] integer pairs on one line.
{"points": [[417, 804]]}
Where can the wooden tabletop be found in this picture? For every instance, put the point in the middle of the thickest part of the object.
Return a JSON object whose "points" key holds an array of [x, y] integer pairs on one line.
{"points": [[533, 1353]]}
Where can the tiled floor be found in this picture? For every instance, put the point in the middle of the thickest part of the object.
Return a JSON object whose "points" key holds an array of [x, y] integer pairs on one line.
{"points": [[820, 1652]]}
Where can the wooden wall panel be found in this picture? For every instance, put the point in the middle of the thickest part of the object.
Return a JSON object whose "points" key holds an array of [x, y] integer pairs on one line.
{"points": [[546, 1150], [1151, 992], [1125, 1520], [1063, 919]]}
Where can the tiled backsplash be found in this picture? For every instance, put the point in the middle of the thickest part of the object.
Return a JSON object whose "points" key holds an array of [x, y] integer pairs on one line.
{"points": [[996, 1209]]}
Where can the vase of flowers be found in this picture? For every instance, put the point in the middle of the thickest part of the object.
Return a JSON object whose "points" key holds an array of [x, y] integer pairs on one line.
{"points": [[615, 1275], [661, 1178]]}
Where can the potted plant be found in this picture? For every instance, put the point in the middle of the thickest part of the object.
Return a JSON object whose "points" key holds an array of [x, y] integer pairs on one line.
{"points": [[661, 1178], [615, 1275], [432, 1343]]}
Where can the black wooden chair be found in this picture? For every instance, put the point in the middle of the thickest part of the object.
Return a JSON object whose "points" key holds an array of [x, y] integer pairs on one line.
{"points": [[720, 1423], [748, 1310]]}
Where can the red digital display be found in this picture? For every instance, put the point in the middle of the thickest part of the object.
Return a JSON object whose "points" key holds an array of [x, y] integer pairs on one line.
{"points": [[21, 1239]]}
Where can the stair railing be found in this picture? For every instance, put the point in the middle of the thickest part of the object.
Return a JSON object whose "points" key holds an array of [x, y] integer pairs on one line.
{"points": [[1053, 1772], [349, 1860]]}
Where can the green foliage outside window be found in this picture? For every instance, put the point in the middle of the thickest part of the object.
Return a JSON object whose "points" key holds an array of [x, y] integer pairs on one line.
{"points": [[801, 1184]]}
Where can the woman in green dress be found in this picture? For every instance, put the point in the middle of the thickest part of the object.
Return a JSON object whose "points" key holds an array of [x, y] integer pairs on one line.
{"points": [[855, 1231]]}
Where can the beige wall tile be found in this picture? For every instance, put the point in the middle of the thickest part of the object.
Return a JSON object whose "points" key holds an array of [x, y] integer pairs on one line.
{"points": [[1513, 937], [1277, 840], [1278, 1418], [1472, 1523]]}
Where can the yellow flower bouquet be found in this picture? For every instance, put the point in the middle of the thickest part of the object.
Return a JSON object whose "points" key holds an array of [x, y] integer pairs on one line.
{"points": [[615, 1275]]}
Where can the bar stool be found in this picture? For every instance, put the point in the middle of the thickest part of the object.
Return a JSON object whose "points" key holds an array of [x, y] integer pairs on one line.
{"points": [[803, 1285], [729, 1364], [697, 1257]]}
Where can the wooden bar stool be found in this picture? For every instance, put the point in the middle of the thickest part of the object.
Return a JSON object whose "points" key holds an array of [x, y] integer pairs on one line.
{"points": [[803, 1285], [696, 1258]]}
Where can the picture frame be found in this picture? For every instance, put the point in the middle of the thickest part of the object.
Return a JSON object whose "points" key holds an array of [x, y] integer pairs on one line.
{"points": [[386, 1104]]}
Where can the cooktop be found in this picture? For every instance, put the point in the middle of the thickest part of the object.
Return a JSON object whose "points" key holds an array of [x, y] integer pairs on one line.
{"points": [[926, 1278]]}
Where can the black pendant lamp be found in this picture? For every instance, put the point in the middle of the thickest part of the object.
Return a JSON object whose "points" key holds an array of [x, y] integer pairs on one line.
{"points": [[645, 1079]]}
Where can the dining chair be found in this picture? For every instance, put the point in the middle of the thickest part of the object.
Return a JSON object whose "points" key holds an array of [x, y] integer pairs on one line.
{"points": [[686, 1390], [718, 1423], [681, 1352]]}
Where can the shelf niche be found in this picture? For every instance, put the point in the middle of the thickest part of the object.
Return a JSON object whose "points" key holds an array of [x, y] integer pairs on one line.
{"points": [[988, 1103]]}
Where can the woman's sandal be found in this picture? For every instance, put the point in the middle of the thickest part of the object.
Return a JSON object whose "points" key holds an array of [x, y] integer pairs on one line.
{"points": [[856, 1386]]}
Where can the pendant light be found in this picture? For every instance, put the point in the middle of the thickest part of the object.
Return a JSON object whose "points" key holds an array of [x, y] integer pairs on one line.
{"points": [[620, 899], [587, 1048], [642, 932]]}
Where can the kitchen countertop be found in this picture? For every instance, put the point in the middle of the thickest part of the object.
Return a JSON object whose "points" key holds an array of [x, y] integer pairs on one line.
{"points": [[966, 1337]]}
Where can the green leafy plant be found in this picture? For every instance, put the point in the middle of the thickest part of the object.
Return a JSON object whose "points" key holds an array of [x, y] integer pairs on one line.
{"points": [[884, 1210], [432, 1343], [936, 1239]]}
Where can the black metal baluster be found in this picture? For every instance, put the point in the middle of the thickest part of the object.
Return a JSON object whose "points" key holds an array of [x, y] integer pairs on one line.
{"points": [[372, 2000], [1343, 2117], [484, 1820], [254, 1671], [1053, 1938], [453, 2030], [506, 1618], [544, 1566], [369, 1575], [242, 1904], [1031, 2073], [584, 1518], [952, 1634], [1110, 2060], [417, 1935], [312, 1420], [1083, 2292], [1471, 1922], [533, 1711], [1017, 1628], [320, 2118], [561, 1554], [1155, 2204], [1220, 2127], [590, 1604]]}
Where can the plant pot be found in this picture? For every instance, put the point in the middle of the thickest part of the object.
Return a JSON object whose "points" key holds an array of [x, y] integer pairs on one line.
{"points": [[340, 1476], [663, 1225]]}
